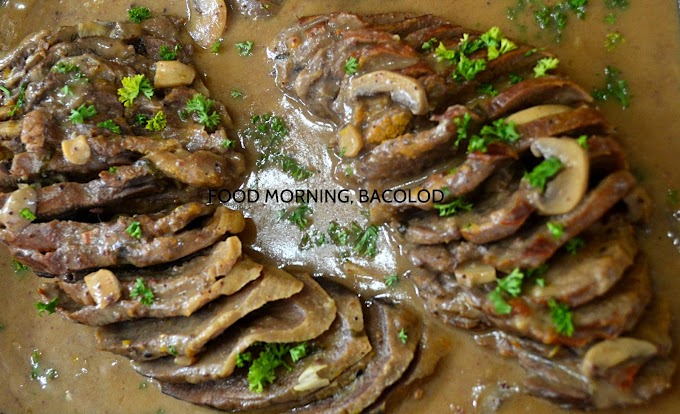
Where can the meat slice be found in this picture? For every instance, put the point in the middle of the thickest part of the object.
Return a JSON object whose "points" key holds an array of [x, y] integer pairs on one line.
{"points": [[63, 247], [183, 337], [302, 317], [336, 351]]}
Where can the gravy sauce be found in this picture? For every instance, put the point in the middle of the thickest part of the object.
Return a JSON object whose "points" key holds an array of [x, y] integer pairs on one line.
{"points": [[469, 379]]}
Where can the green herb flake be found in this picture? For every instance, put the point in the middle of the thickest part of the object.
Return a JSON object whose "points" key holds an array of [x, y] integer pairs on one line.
{"points": [[351, 65], [172, 350], [6, 92], [236, 94], [499, 131], [556, 229], [511, 285], [467, 69], [65, 67], [143, 385], [429, 45], [403, 336], [462, 124], [293, 168], [243, 358], [543, 172], [613, 40], [544, 65], [66, 90], [245, 48], [141, 291], [615, 88], [132, 87], [134, 230], [391, 280], [110, 125], [616, 4], [515, 79], [455, 206], [610, 18], [49, 307], [83, 113], [157, 123], [21, 100], [141, 119], [262, 370], [27, 214], [572, 246], [582, 141], [487, 89], [215, 48], [168, 53], [18, 267], [367, 241], [202, 107], [228, 143], [298, 216], [38, 373], [138, 14], [112, 170], [298, 352], [561, 318], [444, 54]]}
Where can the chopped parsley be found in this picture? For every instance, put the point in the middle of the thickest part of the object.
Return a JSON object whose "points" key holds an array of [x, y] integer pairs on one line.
{"points": [[367, 240], [21, 100], [236, 94], [202, 107], [64, 67], [614, 4], [157, 123], [403, 336], [18, 266], [544, 65], [444, 54], [487, 89], [561, 318], [515, 79], [511, 285], [468, 68], [582, 141], [132, 87], [496, 44], [39, 374], [615, 88], [228, 143], [462, 124], [293, 168], [537, 274], [351, 65], [134, 230], [141, 119], [298, 352], [572, 246], [309, 240], [245, 48], [610, 18], [6, 92], [556, 229], [391, 280], [429, 45], [297, 216], [498, 131], [168, 53], [172, 350], [539, 176], [215, 48], [110, 125], [83, 113], [449, 209], [49, 307], [612, 40], [262, 370], [112, 170], [27, 214], [242, 358], [141, 291], [137, 14], [339, 235], [66, 90]]}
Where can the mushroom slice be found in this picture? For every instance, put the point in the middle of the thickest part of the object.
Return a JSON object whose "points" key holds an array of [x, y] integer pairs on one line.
{"points": [[615, 352], [402, 89], [350, 141], [171, 73], [23, 199], [207, 20], [566, 190], [104, 287], [474, 274], [536, 112]]}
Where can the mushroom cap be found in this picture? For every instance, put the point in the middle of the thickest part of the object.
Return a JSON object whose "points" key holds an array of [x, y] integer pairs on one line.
{"points": [[404, 90], [207, 20]]}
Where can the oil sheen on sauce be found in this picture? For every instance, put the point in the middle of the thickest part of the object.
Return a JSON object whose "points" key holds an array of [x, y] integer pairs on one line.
{"points": [[468, 379]]}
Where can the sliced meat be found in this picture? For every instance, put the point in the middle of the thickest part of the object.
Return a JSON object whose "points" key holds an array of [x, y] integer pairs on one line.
{"points": [[183, 337], [302, 317], [198, 169]]}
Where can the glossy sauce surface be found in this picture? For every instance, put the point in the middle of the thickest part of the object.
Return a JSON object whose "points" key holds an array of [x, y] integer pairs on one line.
{"points": [[468, 379]]}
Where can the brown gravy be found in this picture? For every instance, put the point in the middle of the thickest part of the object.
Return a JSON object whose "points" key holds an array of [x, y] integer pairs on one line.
{"points": [[468, 379]]}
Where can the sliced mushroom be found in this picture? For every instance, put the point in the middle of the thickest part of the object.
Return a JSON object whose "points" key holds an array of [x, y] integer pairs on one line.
{"points": [[10, 214], [76, 150], [613, 352], [104, 287], [171, 73], [568, 187], [350, 141], [402, 89], [310, 380], [207, 20], [475, 274], [536, 112]]}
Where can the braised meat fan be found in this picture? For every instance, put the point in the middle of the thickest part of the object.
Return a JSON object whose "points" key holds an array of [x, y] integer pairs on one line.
{"points": [[532, 242], [109, 145]]}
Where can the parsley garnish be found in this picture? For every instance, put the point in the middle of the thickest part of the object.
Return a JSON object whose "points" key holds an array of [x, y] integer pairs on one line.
{"points": [[536, 274], [262, 369], [245, 48], [132, 87], [510, 284], [228, 143], [449, 209], [49, 307], [461, 128], [615, 88], [242, 358], [583, 141], [110, 125], [141, 119], [391, 280], [487, 89], [612, 4], [403, 336], [556, 229], [18, 266], [515, 79], [63, 67], [172, 350], [201, 106], [236, 94], [66, 91], [137, 14], [84, 112], [572, 246], [166, 53], [496, 44], [297, 216], [134, 230], [21, 100], [468, 68], [27, 214], [6, 92], [39, 374], [443, 53], [215, 48], [544, 65], [561, 318], [613, 39], [498, 131], [539, 176], [429, 45], [351, 65], [339, 235], [112, 170], [141, 291], [157, 123], [298, 351], [366, 243], [291, 166], [610, 18]]}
